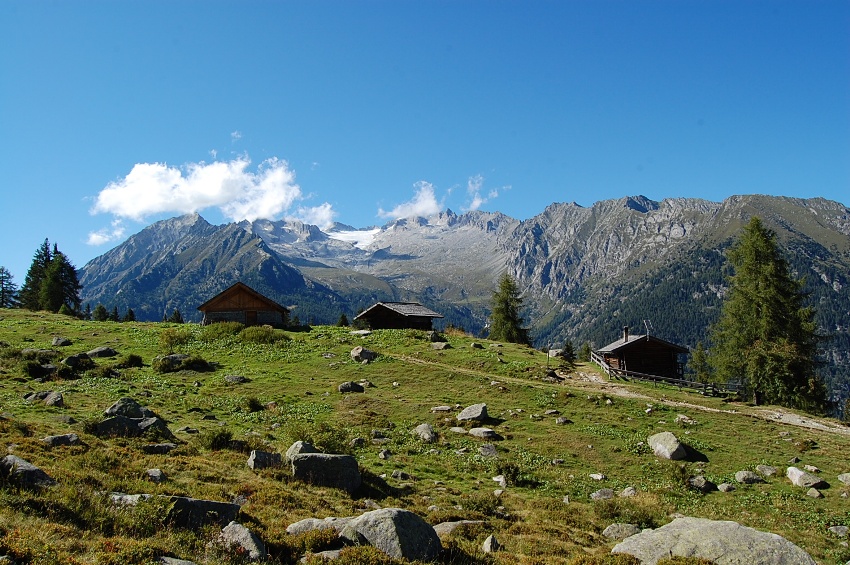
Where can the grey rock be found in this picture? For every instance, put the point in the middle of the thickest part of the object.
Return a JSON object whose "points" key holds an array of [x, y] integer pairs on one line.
{"points": [[236, 379], [722, 542], [156, 427], [54, 399], [436, 409], [476, 413], [350, 386], [766, 470], [170, 362], [128, 407], [814, 493], [61, 342], [561, 421], [748, 478], [75, 361], [725, 487], [444, 529], [620, 531], [23, 473], [665, 445], [326, 555], [602, 494], [844, 478], [362, 355], [296, 448], [385, 454], [484, 433], [155, 475], [401, 534], [628, 492], [491, 544], [360, 333], [173, 561], [840, 531], [800, 478], [158, 448], [330, 470], [194, 513], [488, 450], [702, 484], [400, 475], [441, 345], [426, 433], [264, 460], [244, 541], [476, 345], [64, 439], [313, 524], [458, 430], [102, 352]]}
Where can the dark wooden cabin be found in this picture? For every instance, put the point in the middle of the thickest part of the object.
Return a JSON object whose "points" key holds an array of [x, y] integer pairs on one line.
{"points": [[398, 315], [644, 354], [241, 303]]}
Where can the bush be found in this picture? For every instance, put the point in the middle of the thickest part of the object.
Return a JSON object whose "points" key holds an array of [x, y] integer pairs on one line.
{"points": [[262, 334], [221, 330], [216, 440], [129, 361], [192, 363], [171, 338]]}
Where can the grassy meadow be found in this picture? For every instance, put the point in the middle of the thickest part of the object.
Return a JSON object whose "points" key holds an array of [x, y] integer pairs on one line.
{"points": [[291, 394]]}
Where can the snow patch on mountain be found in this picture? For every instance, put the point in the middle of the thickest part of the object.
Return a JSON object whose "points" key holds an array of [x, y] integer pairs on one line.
{"points": [[361, 239]]}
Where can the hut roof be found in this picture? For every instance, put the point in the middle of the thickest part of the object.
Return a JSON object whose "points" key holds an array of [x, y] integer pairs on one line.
{"points": [[237, 297], [408, 309], [630, 339]]}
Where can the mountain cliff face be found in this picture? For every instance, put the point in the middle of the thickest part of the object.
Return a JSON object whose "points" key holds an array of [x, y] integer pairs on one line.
{"points": [[584, 272]]}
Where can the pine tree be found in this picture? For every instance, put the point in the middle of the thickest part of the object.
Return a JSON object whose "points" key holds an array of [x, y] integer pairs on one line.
{"points": [[100, 314], [505, 321], [765, 337], [87, 312], [30, 294], [113, 316], [699, 364], [584, 352], [343, 321], [8, 289], [176, 317], [130, 316]]}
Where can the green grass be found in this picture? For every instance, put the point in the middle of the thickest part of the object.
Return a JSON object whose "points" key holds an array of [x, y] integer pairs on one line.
{"points": [[291, 394]]}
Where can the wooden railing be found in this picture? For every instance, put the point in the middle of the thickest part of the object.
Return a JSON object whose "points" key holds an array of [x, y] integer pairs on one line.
{"points": [[621, 374]]}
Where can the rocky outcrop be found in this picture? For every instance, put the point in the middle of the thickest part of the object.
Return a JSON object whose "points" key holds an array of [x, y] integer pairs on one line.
{"points": [[329, 470], [401, 534], [23, 473]]}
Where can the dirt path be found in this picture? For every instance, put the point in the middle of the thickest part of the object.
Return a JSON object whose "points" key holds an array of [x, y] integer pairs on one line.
{"points": [[592, 381]]}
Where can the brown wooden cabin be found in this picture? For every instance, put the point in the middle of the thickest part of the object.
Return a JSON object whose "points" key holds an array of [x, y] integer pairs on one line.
{"points": [[644, 354], [241, 303], [398, 315]]}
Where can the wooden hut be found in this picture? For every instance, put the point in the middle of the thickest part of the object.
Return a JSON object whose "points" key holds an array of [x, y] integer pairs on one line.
{"points": [[241, 303], [644, 354], [398, 315]]}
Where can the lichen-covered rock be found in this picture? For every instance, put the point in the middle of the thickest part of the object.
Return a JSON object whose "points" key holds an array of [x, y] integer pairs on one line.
{"points": [[296, 448], [23, 473], [128, 407], [325, 469], [800, 478], [620, 531], [244, 541], [264, 459], [426, 433], [476, 413], [666, 446], [401, 534], [722, 542]]}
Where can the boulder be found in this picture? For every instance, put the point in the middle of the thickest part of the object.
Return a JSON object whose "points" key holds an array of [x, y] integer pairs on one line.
{"points": [[64, 439], [350, 386], [55, 398], [362, 355], [491, 544], [476, 413], [441, 345], [296, 448], [158, 448], [844, 478], [60, 341], [484, 433], [620, 531], [75, 361], [23, 473], [702, 484], [725, 487], [800, 478], [425, 432], [264, 460], [128, 407], [401, 534], [766, 470], [444, 529], [314, 524], [155, 427], [102, 352], [122, 426], [247, 544], [194, 513], [488, 450], [602, 494], [236, 379], [722, 542], [748, 478], [665, 445], [155, 476], [325, 469], [169, 363]]}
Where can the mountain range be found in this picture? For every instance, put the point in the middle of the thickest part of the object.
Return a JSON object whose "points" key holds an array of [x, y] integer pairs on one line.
{"points": [[585, 272]]}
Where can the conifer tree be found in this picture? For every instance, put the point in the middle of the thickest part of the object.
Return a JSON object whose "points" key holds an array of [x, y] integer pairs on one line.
{"points": [[176, 317], [8, 289], [113, 316], [30, 294], [51, 281], [505, 321], [100, 314], [130, 316], [765, 336], [699, 364], [343, 320]]}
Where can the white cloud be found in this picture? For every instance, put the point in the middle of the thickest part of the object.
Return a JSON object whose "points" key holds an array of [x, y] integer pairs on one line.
{"points": [[473, 189], [106, 235], [424, 203], [322, 215], [235, 136], [156, 188]]}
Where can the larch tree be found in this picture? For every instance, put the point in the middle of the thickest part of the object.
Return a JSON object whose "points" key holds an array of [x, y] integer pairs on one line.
{"points": [[8, 289], [505, 321], [766, 338]]}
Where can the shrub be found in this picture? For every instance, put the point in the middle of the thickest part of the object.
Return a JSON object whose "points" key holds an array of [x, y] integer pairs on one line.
{"points": [[192, 363], [262, 334], [129, 361], [221, 330], [103, 372], [253, 404], [216, 440], [171, 338]]}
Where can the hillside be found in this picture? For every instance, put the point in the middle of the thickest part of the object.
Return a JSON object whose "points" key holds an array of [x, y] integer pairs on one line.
{"points": [[544, 514]]}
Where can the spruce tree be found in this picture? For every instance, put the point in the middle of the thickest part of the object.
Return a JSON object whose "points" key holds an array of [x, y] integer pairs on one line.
{"points": [[176, 317], [8, 289], [30, 294], [765, 337], [343, 320], [505, 321], [100, 314], [130, 316], [113, 316]]}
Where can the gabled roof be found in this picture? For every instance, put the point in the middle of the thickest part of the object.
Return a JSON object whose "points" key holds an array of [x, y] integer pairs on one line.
{"points": [[233, 298], [409, 309], [615, 346]]}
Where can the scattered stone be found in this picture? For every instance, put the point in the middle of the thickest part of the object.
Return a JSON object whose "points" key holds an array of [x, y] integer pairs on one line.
{"points": [[350, 386], [811, 469], [840, 531], [314, 524], [476, 412], [458, 430], [54, 399], [122, 426], [551, 412], [628, 492], [236, 379], [491, 544], [725, 487], [800, 478], [620, 531], [441, 345], [384, 454], [65, 439], [665, 445], [561, 421], [298, 447], [501, 480], [360, 333], [23, 473], [400, 475], [102, 352], [476, 345], [158, 448], [362, 355], [194, 513], [566, 499], [444, 529], [426, 433], [173, 561], [844, 478], [488, 450], [264, 460], [716, 541], [129, 408], [246, 543], [598, 476], [155, 475], [766, 470], [61, 342], [748, 478], [814, 493], [330, 470], [702, 484], [401, 534], [684, 420], [484, 433], [188, 430], [437, 409], [357, 442], [602, 494]]}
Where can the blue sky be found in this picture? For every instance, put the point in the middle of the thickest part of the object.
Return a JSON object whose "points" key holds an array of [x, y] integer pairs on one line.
{"points": [[116, 114]]}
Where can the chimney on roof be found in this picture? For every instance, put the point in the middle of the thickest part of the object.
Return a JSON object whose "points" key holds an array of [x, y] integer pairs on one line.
{"points": [[625, 334]]}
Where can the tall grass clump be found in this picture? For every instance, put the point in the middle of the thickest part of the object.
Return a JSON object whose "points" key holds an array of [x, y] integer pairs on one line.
{"points": [[220, 330], [265, 335]]}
